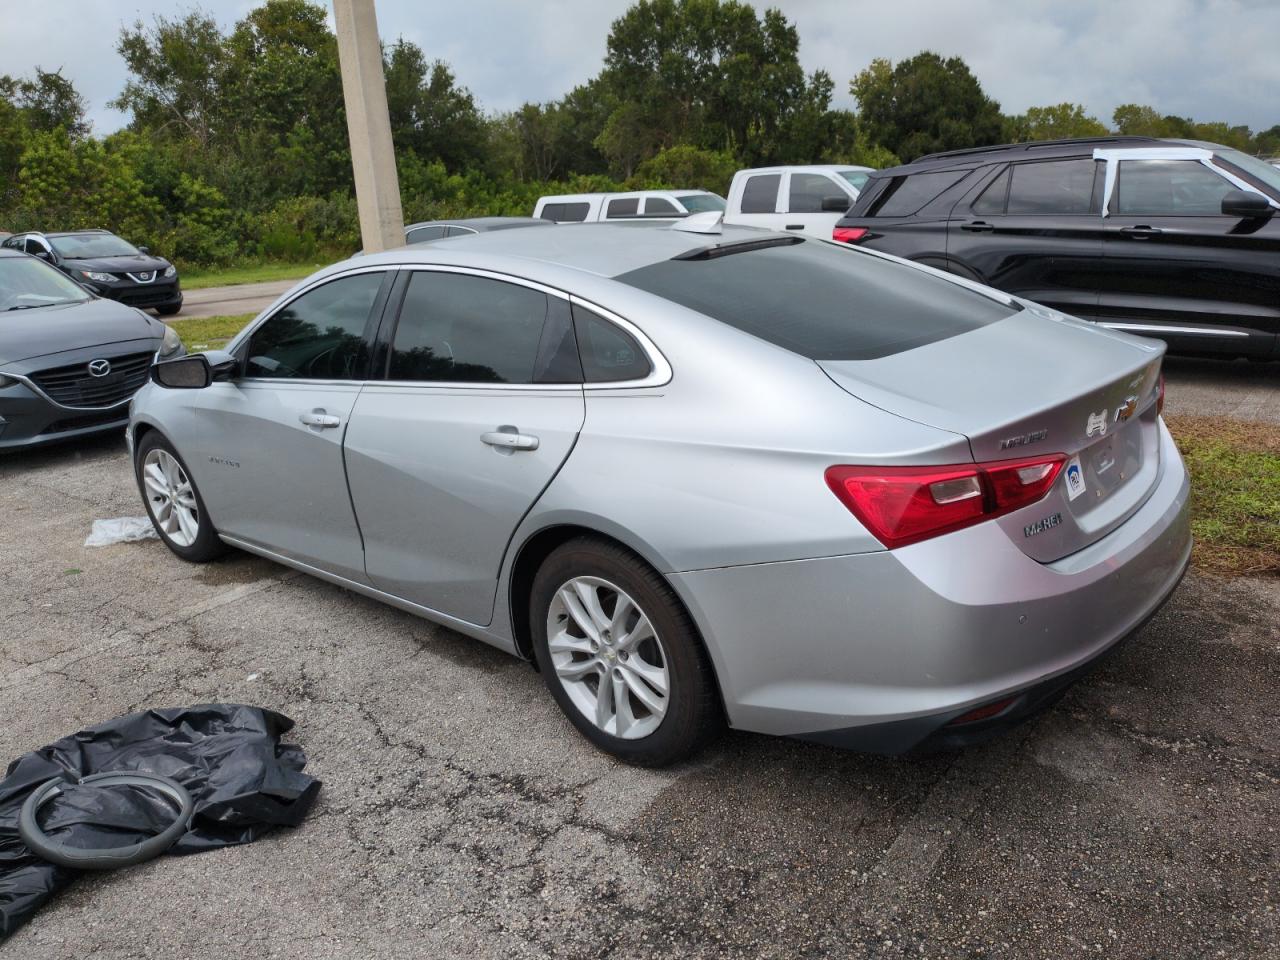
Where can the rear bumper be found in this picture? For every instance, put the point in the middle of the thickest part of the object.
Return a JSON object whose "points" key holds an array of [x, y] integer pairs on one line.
{"points": [[878, 651]]}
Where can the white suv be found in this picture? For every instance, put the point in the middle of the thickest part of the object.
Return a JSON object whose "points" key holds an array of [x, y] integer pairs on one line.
{"points": [[636, 205]]}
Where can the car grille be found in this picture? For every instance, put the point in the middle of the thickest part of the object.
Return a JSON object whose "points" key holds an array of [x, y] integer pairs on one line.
{"points": [[73, 386], [145, 296]]}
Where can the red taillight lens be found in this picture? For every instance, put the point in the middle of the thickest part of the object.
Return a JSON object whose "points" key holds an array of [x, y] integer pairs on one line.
{"points": [[849, 234], [902, 505], [1160, 396]]}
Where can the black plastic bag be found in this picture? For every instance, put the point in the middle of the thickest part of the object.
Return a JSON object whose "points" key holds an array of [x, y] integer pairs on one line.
{"points": [[228, 756]]}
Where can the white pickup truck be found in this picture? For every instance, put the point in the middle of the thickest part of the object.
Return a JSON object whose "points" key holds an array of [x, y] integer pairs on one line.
{"points": [[806, 199], [635, 205]]}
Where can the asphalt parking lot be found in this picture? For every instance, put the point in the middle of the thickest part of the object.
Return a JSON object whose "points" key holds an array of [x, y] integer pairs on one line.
{"points": [[462, 817]]}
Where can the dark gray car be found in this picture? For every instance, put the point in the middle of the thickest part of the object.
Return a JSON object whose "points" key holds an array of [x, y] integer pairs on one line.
{"points": [[70, 361], [440, 229]]}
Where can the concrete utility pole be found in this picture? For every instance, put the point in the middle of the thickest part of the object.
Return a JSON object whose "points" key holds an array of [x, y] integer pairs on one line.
{"points": [[364, 90]]}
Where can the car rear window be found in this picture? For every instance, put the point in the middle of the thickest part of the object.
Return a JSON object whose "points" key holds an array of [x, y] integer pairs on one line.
{"points": [[819, 300], [566, 212], [906, 195]]}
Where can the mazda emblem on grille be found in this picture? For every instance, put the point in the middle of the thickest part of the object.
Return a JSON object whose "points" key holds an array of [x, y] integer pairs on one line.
{"points": [[99, 368]]}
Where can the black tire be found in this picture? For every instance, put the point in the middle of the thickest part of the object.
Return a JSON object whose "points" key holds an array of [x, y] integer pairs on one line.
{"points": [[170, 310], [206, 546], [692, 716]]}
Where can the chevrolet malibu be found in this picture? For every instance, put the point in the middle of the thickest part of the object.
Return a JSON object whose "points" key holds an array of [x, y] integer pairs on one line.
{"points": [[695, 474]]}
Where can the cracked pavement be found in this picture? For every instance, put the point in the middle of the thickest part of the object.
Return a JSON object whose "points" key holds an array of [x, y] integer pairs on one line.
{"points": [[461, 816]]}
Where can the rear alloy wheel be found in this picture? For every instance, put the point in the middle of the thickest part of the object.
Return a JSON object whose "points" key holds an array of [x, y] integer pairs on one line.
{"points": [[174, 503], [608, 657], [620, 654]]}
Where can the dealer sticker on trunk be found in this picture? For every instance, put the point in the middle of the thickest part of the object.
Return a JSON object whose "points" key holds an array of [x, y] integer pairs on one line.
{"points": [[1075, 478]]}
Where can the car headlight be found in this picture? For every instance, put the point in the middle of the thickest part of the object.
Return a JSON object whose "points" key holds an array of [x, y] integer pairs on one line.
{"points": [[172, 343], [170, 271], [100, 277]]}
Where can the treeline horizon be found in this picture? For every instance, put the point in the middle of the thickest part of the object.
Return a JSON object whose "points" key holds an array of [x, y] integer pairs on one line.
{"points": [[236, 146]]}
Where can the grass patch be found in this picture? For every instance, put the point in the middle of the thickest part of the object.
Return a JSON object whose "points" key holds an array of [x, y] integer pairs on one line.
{"points": [[209, 333], [197, 278], [1235, 493]]}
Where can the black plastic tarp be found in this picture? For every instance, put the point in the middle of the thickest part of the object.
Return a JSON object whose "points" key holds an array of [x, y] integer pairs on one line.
{"points": [[229, 757]]}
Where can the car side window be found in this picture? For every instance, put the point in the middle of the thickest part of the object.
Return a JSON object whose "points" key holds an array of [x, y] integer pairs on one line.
{"points": [[422, 234], [990, 202], [808, 190], [1169, 188], [1051, 187], [319, 335], [455, 327], [34, 245], [760, 195], [659, 205], [906, 195], [623, 207], [566, 212], [609, 354]]}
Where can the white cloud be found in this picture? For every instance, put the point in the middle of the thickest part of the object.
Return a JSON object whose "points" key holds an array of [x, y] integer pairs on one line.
{"points": [[1208, 59]]}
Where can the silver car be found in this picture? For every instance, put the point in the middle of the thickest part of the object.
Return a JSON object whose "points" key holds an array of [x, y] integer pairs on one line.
{"points": [[739, 476]]}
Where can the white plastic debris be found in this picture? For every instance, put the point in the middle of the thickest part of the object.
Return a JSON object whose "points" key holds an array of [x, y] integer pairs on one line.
{"points": [[119, 530]]}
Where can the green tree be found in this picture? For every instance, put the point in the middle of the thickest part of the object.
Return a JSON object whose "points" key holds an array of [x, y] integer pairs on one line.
{"points": [[430, 113], [925, 104], [1138, 120], [686, 166], [1057, 122]]}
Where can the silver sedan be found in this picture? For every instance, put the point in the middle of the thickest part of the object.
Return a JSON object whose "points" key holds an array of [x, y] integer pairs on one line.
{"points": [[696, 474]]}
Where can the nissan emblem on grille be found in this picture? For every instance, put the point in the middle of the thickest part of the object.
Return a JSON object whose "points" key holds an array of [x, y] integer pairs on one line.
{"points": [[99, 368]]}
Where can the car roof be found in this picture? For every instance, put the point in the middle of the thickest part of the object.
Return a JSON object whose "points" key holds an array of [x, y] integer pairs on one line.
{"points": [[603, 249], [815, 167], [1081, 146], [613, 194], [482, 223], [72, 233]]}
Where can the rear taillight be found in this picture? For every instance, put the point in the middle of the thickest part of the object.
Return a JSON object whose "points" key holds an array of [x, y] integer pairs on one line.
{"points": [[1160, 395], [902, 505], [849, 234]]}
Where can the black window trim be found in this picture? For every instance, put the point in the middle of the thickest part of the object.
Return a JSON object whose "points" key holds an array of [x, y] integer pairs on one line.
{"points": [[660, 369]]}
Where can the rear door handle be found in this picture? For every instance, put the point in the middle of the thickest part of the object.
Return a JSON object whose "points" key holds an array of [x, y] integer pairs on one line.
{"points": [[978, 226], [509, 440], [1141, 232], [319, 419], [795, 226]]}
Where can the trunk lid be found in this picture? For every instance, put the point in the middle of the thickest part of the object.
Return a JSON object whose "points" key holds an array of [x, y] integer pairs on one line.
{"points": [[1029, 385]]}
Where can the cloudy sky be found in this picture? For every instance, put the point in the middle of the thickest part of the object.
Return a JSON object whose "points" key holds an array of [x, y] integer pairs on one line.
{"points": [[1208, 59]]}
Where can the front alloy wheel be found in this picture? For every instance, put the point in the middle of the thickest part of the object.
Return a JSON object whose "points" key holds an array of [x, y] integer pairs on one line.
{"points": [[170, 497]]}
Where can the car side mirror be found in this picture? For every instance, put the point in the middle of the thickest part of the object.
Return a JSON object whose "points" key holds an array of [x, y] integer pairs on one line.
{"points": [[195, 372], [144, 249], [1246, 205], [836, 204]]}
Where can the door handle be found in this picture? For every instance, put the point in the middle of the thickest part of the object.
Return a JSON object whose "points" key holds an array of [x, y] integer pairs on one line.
{"points": [[795, 226], [509, 439], [1141, 232], [978, 226], [318, 418]]}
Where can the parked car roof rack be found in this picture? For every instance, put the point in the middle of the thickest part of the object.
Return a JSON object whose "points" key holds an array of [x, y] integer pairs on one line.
{"points": [[1032, 145]]}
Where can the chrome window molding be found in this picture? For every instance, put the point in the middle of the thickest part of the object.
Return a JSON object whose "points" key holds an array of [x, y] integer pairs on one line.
{"points": [[1166, 328], [660, 373]]}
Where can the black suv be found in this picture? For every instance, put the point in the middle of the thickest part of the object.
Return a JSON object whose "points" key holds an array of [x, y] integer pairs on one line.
{"points": [[1175, 239], [108, 266]]}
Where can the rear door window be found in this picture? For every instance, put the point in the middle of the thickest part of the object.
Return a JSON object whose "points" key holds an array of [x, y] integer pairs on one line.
{"points": [[990, 202], [659, 205], [808, 190], [1169, 188], [459, 328], [906, 195], [760, 194], [1052, 187], [821, 301]]}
